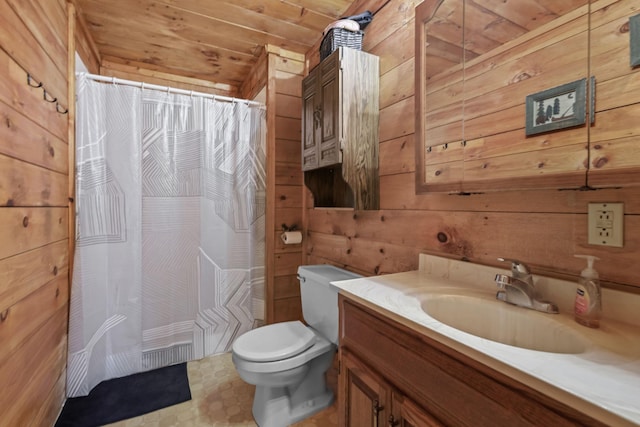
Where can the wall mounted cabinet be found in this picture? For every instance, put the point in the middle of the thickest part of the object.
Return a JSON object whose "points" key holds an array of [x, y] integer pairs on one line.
{"points": [[471, 91], [340, 111]]}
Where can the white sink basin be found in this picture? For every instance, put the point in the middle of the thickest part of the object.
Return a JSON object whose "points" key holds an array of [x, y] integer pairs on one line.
{"points": [[504, 323]]}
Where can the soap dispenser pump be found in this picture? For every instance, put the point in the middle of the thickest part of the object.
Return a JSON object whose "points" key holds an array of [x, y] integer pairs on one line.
{"points": [[588, 304]]}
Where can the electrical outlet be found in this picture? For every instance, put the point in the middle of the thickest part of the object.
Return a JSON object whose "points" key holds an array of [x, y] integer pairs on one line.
{"points": [[606, 224]]}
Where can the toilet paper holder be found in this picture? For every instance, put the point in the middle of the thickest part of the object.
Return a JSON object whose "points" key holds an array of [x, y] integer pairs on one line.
{"points": [[285, 228], [290, 235]]}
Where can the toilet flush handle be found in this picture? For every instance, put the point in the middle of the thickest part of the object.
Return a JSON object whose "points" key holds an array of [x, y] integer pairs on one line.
{"points": [[302, 279]]}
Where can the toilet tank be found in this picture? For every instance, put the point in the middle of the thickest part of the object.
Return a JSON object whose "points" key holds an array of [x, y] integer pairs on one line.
{"points": [[320, 299]]}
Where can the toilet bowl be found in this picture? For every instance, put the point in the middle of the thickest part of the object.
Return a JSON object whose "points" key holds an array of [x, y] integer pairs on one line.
{"points": [[287, 361]]}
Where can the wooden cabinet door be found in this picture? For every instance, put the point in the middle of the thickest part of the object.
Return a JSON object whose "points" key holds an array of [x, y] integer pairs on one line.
{"points": [[407, 414], [330, 129], [366, 398], [310, 121]]}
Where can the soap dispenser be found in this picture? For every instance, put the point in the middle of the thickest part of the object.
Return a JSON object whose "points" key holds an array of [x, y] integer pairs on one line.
{"points": [[588, 304]]}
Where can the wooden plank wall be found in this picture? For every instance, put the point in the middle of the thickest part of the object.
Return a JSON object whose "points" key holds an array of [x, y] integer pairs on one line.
{"points": [[541, 227], [284, 102], [34, 177]]}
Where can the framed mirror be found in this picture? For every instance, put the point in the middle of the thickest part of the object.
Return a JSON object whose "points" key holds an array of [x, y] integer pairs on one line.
{"points": [[476, 63]]}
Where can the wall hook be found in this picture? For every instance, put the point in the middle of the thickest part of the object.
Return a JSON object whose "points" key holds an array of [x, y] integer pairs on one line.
{"points": [[47, 97], [31, 79], [60, 109]]}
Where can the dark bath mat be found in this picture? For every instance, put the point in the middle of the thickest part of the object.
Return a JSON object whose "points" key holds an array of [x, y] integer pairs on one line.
{"points": [[127, 397]]}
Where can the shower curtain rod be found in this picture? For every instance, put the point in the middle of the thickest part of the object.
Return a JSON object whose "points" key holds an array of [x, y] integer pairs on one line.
{"points": [[167, 89]]}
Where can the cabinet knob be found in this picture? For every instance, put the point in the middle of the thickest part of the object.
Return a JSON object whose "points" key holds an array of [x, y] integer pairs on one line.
{"points": [[393, 422]]}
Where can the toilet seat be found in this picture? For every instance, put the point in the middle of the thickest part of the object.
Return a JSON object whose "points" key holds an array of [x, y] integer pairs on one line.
{"points": [[319, 346], [274, 342]]}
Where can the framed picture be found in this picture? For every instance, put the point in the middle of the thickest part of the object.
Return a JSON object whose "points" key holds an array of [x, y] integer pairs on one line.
{"points": [[634, 40], [556, 108]]}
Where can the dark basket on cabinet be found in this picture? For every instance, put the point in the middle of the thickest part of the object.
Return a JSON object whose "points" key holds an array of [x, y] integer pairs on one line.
{"points": [[337, 37]]}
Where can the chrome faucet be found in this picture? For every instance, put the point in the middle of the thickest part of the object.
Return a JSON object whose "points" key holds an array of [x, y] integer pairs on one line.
{"points": [[518, 289]]}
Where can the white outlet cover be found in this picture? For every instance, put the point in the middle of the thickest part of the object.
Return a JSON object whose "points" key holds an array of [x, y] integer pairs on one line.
{"points": [[606, 224]]}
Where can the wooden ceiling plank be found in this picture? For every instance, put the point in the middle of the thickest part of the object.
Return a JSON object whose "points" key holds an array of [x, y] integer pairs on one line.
{"points": [[289, 12], [331, 8], [200, 69], [114, 66], [242, 17]]}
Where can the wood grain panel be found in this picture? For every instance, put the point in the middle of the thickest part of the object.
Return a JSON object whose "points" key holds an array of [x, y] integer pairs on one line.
{"points": [[397, 155], [287, 309], [32, 384], [395, 85], [15, 92], [614, 163], [289, 217], [24, 48], [23, 319], [23, 184], [22, 274], [288, 174], [28, 228], [47, 22], [85, 45], [287, 287], [394, 17], [397, 49], [288, 196], [286, 263], [288, 106], [288, 84], [397, 120], [288, 128], [50, 408], [20, 139], [288, 151]]}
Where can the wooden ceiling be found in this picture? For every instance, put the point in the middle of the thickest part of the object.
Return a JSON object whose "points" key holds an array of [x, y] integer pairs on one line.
{"points": [[213, 40]]}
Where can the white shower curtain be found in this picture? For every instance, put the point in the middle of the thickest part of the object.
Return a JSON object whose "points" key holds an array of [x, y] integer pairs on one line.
{"points": [[169, 261]]}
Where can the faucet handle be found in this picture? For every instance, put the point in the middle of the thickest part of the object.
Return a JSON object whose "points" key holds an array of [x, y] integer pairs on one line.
{"points": [[517, 267]]}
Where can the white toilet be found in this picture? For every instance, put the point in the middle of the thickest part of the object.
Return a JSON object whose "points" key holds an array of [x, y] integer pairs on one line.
{"points": [[287, 361]]}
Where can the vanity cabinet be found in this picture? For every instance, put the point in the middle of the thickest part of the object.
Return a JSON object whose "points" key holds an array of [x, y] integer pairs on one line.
{"points": [[474, 71], [392, 374], [340, 109], [371, 401]]}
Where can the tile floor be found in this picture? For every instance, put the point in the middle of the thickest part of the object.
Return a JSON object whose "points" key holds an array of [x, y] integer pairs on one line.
{"points": [[218, 398]]}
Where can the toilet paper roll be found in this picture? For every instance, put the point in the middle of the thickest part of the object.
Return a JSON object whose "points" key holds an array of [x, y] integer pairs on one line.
{"points": [[291, 237]]}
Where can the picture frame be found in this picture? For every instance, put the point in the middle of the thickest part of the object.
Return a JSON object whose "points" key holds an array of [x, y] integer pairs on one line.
{"points": [[556, 108], [634, 40]]}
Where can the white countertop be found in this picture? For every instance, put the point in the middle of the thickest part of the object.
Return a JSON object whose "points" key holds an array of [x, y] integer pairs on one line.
{"points": [[603, 381]]}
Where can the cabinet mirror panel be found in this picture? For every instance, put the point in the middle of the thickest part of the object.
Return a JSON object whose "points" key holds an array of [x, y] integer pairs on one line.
{"points": [[476, 61]]}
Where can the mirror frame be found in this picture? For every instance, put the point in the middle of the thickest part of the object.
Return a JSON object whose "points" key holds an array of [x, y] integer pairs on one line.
{"points": [[424, 12]]}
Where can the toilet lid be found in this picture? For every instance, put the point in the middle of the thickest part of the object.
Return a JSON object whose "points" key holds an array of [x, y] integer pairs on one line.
{"points": [[274, 342]]}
